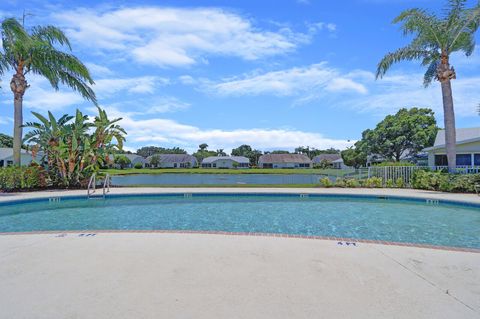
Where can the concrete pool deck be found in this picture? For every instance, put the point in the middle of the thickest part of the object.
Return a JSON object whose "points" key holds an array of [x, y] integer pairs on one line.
{"points": [[153, 275], [173, 275]]}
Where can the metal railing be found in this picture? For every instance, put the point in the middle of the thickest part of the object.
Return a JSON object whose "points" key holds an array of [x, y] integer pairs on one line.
{"points": [[92, 185], [106, 185]]}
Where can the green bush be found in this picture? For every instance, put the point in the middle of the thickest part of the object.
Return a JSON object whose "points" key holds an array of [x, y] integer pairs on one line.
{"points": [[399, 183], [441, 181], [373, 182], [340, 182], [352, 183], [138, 165], [326, 182], [22, 178], [390, 183]]}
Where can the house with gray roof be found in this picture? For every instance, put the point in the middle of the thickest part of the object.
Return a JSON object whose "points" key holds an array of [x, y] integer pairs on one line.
{"points": [[6, 157], [467, 147], [284, 161], [172, 161], [134, 159], [226, 162]]}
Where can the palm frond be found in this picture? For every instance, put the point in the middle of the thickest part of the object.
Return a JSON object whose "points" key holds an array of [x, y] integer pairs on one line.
{"points": [[419, 21], [403, 54], [51, 35], [431, 73]]}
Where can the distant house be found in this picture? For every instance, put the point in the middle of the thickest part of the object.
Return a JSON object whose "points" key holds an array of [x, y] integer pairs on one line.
{"points": [[173, 161], [134, 159], [339, 164], [226, 162], [326, 158], [6, 157], [284, 161], [467, 147]]}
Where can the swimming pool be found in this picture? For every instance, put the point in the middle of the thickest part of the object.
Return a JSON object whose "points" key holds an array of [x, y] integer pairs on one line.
{"points": [[356, 217]]}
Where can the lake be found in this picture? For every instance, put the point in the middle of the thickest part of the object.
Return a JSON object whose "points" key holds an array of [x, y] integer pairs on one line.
{"points": [[213, 179]]}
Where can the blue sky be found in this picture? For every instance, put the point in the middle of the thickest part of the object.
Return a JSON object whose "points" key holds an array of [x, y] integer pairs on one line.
{"points": [[274, 75]]}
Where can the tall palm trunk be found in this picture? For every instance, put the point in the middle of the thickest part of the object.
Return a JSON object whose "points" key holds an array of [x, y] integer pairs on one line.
{"points": [[18, 85], [445, 74], [449, 120]]}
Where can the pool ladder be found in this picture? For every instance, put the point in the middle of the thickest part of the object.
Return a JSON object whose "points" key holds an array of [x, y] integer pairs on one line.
{"points": [[92, 185]]}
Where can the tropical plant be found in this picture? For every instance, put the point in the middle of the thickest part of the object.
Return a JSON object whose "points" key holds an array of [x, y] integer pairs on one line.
{"points": [[71, 151], [37, 52], [122, 161], [435, 39], [154, 161]]}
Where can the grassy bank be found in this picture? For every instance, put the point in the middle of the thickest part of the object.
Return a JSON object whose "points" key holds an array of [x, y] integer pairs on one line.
{"points": [[334, 172]]}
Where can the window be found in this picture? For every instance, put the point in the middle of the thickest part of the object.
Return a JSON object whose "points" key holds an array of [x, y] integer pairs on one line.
{"points": [[464, 159], [2, 163], [304, 165], [206, 165], [9, 163], [476, 160], [214, 165], [267, 165], [441, 160], [175, 165]]}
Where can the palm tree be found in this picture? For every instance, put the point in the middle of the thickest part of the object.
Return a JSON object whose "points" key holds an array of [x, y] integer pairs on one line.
{"points": [[36, 52], [435, 39]]}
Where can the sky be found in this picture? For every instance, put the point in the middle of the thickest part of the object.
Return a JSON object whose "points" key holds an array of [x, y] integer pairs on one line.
{"points": [[274, 74]]}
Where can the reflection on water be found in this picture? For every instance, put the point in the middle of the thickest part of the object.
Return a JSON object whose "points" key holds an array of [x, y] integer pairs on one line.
{"points": [[214, 179]]}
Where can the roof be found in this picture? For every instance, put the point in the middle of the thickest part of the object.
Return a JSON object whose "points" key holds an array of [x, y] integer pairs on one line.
{"points": [[238, 159], [134, 157], [284, 158], [464, 135], [326, 157], [340, 160], [174, 158], [6, 152]]}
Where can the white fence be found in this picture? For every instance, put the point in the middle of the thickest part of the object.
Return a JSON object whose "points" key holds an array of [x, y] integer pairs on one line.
{"points": [[395, 173]]}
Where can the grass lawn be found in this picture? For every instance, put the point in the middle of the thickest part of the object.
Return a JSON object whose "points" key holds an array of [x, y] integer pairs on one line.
{"points": [[330, 172]]}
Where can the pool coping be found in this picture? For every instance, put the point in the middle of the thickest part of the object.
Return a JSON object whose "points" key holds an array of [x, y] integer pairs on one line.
{"points": [[340, 240]]}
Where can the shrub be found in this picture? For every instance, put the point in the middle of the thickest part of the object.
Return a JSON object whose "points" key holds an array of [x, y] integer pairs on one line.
{"points": [[352, 183], [373, 182], [22, 178], [441, 181], [340, 182], [390, 183], [399, 183], [138, 165], [326, 182]]}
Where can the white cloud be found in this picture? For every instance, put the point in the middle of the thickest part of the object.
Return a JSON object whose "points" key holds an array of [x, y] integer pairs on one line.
{"points": [[406, 90], [144, 84], [167, 104], [41, 96], [98, 70], [296, 81], [175, 36], [187, 79], [160, 130]]}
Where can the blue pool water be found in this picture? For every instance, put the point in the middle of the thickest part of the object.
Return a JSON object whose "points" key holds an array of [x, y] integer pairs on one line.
{"points": [[350, 217]]}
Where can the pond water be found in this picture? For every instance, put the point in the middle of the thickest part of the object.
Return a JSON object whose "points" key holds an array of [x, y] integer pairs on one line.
{"points": [[214, 179]]}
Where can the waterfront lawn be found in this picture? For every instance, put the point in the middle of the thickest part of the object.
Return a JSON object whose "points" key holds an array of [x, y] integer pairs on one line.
{"points": [[128, 171]]}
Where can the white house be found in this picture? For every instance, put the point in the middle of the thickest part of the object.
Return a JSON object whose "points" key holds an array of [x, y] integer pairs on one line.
{"points": [[467, 147], [226, 162], [6, 157], [173, 161], [284, 161]]}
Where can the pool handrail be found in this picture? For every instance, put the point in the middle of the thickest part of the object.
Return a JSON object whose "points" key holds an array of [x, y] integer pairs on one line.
{"points": [[91, 185]]}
